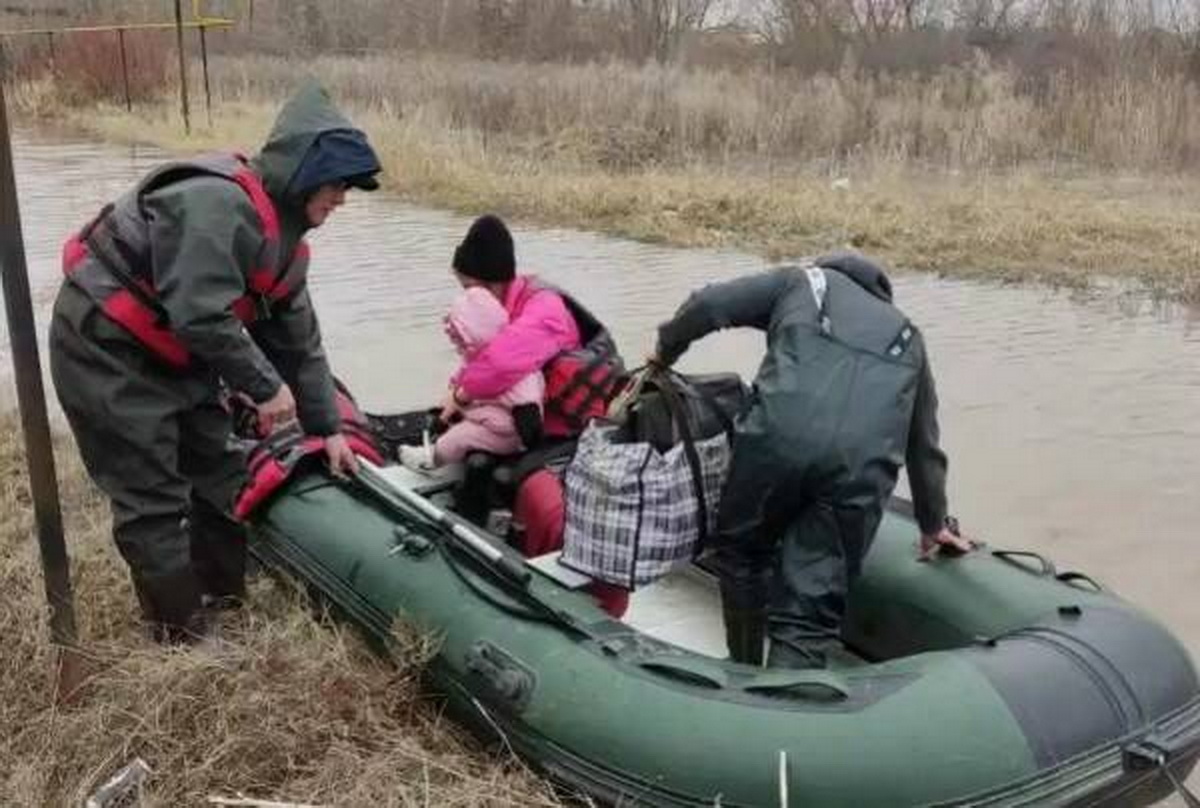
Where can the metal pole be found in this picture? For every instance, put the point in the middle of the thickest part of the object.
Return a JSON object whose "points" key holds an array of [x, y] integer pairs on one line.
{"points": [[39, 452], [183, 88], [250, 16], [124, 69], [204, 61], [53, 53]]}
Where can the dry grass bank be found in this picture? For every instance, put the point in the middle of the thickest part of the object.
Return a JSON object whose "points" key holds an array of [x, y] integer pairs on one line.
{"points": [[281, 707], [962, 174]]}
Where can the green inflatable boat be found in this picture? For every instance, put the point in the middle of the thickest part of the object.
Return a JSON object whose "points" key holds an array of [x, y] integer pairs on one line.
{"points": [[987, 680]]}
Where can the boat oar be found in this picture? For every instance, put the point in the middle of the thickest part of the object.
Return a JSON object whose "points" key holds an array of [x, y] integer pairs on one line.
{"points": [[371, 478]]}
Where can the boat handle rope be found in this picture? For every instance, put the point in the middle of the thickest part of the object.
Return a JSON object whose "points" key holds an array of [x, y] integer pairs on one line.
{"points": [[799, 681], [490, 558], [1045, 565], [453, 564], [509, 608], [515, 573], [1185, 793], [1074, 578], [1148, 754], [1046, 568], [690, 670]]}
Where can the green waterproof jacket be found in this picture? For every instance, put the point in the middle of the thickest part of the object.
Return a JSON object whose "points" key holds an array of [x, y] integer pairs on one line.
{"points": [[843, 398], [205, 232]]}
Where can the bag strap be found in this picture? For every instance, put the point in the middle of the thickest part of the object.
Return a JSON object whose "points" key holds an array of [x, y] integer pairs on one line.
{"points": [[675, 407], [722, 417]]}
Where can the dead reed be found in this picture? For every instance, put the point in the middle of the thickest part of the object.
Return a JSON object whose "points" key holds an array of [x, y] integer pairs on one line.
{"points": [[282, 705]]}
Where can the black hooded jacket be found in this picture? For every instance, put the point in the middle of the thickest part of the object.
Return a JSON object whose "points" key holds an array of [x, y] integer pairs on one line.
{"points": [[843, 398]]}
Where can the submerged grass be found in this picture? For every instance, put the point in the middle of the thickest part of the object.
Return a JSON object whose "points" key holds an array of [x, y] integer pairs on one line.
{"points": [[280, 706], [471, 138]]}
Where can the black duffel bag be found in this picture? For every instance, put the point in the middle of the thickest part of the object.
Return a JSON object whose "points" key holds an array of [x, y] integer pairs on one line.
{"points": [[710, 403]]}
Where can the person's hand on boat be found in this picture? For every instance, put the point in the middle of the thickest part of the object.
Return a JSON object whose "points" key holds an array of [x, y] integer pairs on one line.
{"points": [[276, 411], [342, 461], [946, 540]]}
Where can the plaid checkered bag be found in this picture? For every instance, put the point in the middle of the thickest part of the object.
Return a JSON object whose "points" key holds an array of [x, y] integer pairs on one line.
{"points": [[633, 511]]}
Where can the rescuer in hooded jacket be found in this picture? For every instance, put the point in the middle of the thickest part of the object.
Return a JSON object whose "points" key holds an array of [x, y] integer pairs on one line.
{"points": [[193, 280], [843, 398]]}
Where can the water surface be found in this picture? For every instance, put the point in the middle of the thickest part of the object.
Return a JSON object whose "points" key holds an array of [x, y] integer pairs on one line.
{"points": [[1070, 422]]}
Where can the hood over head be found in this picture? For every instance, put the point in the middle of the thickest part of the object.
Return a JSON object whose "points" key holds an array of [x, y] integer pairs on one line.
{"points": [[863, 271], [312, 144], [475, 317]]}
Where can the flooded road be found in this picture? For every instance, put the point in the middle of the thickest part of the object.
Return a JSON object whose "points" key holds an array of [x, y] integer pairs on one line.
{"points": [[1071, 423]]}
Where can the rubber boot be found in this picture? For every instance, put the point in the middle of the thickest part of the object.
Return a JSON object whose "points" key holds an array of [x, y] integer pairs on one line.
{"points": [[799, 657], [744, 608], [218, 551], [172, 607], [473, 498], [745, 631]]}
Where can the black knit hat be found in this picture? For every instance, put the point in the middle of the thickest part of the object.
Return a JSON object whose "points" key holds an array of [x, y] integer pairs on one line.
{"points": [[486, 252]]}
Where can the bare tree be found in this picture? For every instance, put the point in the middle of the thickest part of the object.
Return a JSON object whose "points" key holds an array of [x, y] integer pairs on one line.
{"points": [[654, 28], [809, 35], [988, 24], [805, 21], [874, 19]]}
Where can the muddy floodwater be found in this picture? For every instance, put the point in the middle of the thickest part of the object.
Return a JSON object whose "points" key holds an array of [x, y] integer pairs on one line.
{"points": [[1071, 420]]}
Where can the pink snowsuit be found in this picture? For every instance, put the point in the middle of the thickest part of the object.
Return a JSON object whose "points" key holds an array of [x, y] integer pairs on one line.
{"points": [[475, 317], [539, 328]]}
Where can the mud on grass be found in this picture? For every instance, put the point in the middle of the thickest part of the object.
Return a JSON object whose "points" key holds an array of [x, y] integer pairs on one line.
{"points": [[281, 706]]}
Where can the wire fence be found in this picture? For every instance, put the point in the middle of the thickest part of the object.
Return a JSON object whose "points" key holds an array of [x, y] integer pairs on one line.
{"points": [[88, 56]]}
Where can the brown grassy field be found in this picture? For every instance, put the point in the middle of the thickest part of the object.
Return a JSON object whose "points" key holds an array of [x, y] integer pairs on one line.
{"points": [[970, 169], [964, 172], [280, 706]]}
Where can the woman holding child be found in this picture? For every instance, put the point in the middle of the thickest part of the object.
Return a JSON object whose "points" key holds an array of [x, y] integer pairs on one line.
{"points": [[547, 331], [544, 336]]}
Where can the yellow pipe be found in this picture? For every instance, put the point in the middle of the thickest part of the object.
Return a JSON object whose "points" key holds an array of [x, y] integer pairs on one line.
{"points": [[207, 22]]}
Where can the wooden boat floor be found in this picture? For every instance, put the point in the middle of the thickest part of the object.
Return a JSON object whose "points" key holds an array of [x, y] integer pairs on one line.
{"points": [[683, 609]]}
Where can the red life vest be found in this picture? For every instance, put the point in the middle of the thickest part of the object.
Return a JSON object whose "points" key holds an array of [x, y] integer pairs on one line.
{"points": [[110, 259], [273, 461], [581, 383]]}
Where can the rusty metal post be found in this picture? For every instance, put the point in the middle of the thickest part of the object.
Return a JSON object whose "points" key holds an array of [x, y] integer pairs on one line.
{"points": [[250, 16], [204, 61], [53, 52], [183, 88], [124, 69], [35, 425]]}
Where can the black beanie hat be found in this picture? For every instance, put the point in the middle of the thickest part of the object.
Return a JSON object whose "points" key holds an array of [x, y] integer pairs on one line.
{"points": [[486, 252]]}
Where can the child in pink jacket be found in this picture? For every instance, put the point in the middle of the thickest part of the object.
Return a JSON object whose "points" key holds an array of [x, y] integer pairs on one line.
{"points": [[487, 424], [539, 327]]}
